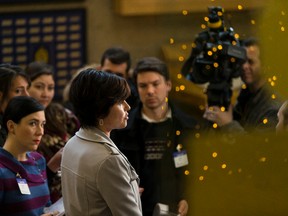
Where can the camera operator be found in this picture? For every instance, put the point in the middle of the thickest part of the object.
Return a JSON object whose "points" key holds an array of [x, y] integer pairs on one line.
{"points": [[216, 59], [255, 109]]}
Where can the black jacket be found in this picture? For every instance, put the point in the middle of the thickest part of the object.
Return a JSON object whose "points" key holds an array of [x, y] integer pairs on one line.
{"points": [[255, 111], [166, 180]]}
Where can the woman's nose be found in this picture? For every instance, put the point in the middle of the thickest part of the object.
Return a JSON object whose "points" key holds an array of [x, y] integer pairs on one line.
{"points": [[127, 106]]}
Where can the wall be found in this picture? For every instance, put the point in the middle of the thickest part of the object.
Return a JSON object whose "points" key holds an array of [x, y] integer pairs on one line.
{"points": [[143, 35]]}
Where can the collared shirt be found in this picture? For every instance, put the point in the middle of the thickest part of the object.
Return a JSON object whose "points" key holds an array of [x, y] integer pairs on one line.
{"points": [[150, 120]]}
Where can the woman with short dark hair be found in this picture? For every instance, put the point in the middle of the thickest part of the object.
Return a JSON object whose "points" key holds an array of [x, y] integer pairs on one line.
{"points": [[23, 182], [97, 178]]}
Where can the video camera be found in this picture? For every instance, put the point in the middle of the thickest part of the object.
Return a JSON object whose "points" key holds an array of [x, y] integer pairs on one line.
{"points": [[216, 58]]}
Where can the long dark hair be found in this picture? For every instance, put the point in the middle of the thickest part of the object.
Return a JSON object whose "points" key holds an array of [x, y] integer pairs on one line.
{"points": [[7, 74]]}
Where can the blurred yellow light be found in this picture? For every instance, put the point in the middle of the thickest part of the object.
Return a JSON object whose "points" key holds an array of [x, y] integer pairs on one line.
{"points": [[171, 40], [215, 125], [193, 45], [203, 26], [197, 135], [178, 132], [186, 172], [253, 22], [201, 178], [182, 87], [214, 49], [243, 86], [232, 59], [214, 154], [282, 28], [184, 46], [205, 167], [263, 159], [274, 78], [181, 58], [265, 121], [219, 13], [177, 89], [215, 64], [184, 12], [206, 19], [273, 96], [209, 53], [236, 36], [240, 7], [223, 166], [222, 109], [179, 76], [220, 47]]}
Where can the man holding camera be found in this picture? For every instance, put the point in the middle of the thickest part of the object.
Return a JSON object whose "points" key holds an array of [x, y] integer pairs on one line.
{"points": [[256, 108]]}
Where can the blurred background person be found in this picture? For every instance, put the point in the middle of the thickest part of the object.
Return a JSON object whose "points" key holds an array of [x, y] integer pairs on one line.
{"points": [[255, 109], [282, 126], [13, 82], [60, 125], [99, 180], [117, 60]]}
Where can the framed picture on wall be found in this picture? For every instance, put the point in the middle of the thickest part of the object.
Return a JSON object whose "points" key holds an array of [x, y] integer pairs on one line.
{"points": [[55, 37]]}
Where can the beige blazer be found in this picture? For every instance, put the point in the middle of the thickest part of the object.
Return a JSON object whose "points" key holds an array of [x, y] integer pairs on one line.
{"points": [[97, 179]]}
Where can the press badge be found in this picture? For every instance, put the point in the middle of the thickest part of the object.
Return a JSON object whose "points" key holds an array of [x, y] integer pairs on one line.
{"points": [[23, 186], [180, 158]]}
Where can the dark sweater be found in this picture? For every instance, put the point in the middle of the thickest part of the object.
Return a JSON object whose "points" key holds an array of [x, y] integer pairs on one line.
{"points": [[149, 147]]}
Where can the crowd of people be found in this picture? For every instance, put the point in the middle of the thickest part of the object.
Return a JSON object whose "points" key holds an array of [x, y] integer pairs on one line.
{"points": [[117, 145]]}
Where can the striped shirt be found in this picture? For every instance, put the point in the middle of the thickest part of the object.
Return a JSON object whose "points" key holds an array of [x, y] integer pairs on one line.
{"points": [[33, 170]]}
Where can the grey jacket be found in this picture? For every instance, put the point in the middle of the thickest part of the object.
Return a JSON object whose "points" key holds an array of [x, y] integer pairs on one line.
{"points": [[97, 178]]}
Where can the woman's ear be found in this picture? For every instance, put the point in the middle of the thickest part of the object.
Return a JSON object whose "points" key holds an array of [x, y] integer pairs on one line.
{"points": [[11, 126]]}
